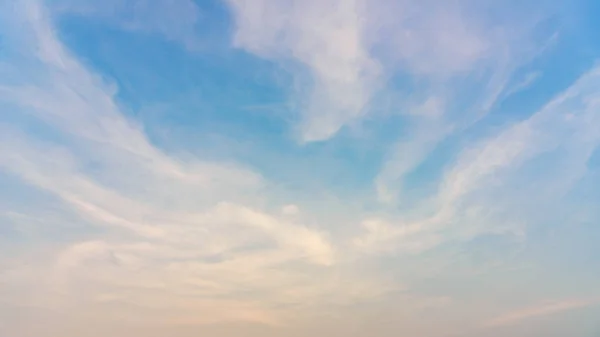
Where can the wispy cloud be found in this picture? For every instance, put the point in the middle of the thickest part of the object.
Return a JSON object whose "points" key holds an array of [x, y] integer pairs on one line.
{"points": [[544, 309], [352, 52], [106, 227], [332, 47], [463, 65], [170, 234], [471, 197], [459, 58]]}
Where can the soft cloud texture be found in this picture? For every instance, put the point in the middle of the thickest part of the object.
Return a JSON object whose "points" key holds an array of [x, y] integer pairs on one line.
{"points": [[463, 59], [466, 178], [331, 47], [177, 226], [566, 128], [449, 48]]}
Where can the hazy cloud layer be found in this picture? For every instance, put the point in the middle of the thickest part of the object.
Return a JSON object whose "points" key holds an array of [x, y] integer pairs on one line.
{"points": [[452, 218]]}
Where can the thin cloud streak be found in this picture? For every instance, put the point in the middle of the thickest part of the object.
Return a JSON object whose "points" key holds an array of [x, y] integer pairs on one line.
{"points": [[546, 309], [469, 190]]}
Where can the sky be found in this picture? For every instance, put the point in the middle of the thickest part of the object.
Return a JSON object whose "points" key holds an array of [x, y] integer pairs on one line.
{"points": [[293, 168]]}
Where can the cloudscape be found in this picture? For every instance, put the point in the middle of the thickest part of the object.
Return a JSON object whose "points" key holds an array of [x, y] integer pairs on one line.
{"points": [[294, 168]]}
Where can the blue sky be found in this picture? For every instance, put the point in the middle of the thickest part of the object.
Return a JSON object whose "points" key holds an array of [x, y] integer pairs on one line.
{"points": [[298, 168]]}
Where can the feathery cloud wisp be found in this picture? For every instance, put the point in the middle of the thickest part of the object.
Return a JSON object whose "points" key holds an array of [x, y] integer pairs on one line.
{"points": [[105, 225]]}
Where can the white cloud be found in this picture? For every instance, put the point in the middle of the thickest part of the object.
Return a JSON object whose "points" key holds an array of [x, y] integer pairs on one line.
{"points": [[405, 156], [429, 38], [159, 237], [351, 48], [327, 38], [461, 59], [458, 55], [161, 240], [491, 188], [528, 80]]}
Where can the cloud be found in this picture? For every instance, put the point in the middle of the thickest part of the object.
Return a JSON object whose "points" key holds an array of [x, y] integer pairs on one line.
{"points": [[457, 59], [524, 84], [331, 47], [106, 228], [352, 49], [460, 60], [158, 236], [429, 38], [545, 309], [490, 187]]}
